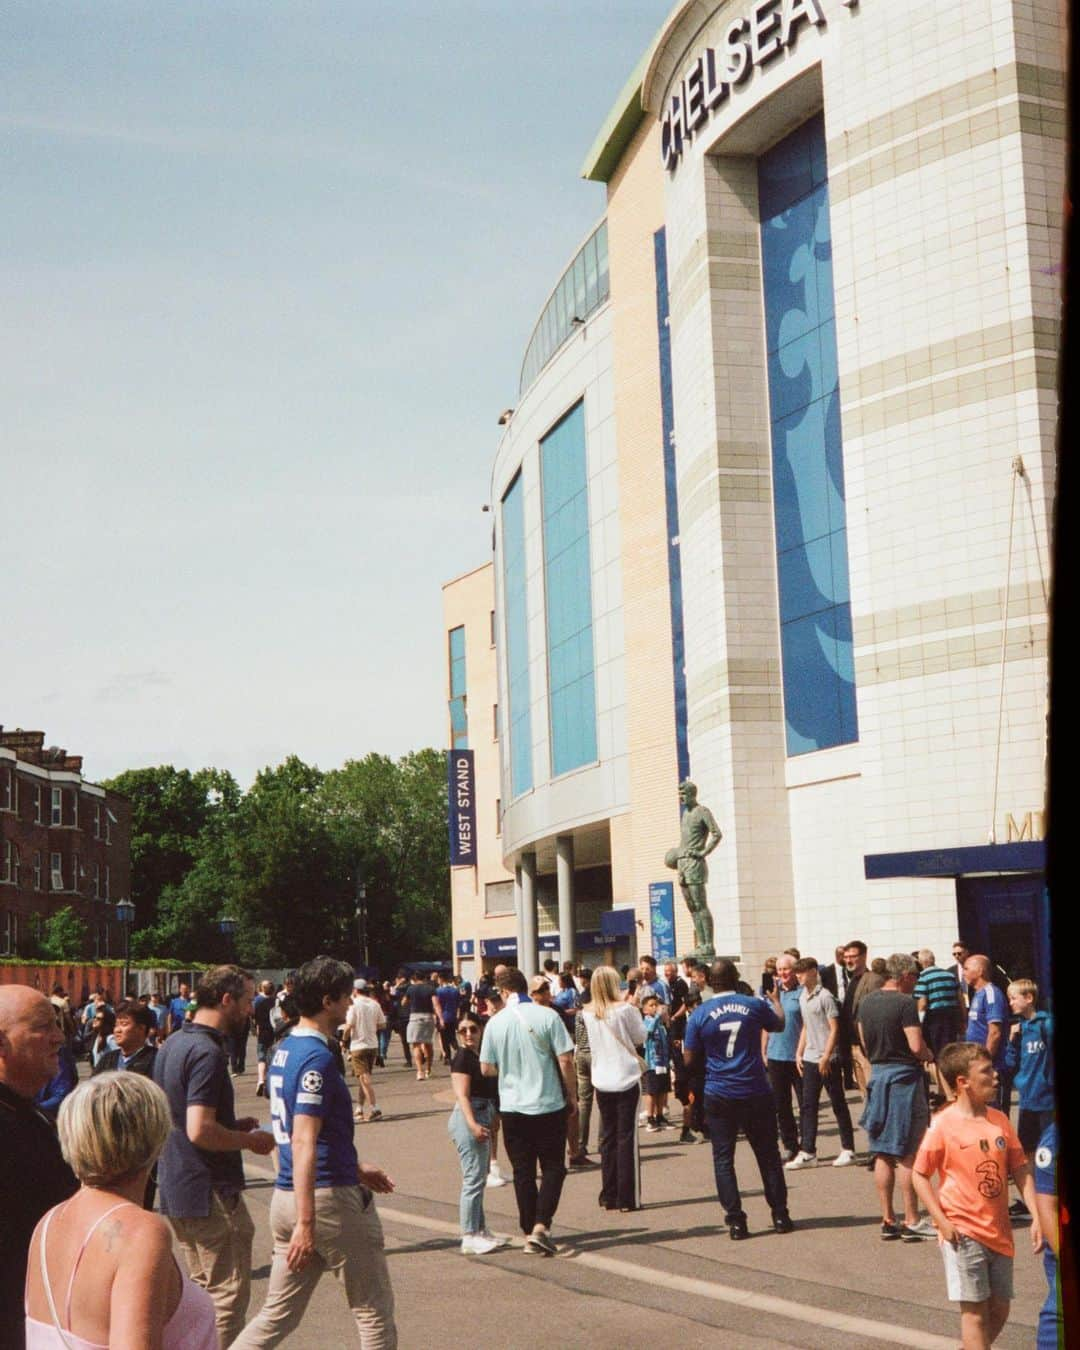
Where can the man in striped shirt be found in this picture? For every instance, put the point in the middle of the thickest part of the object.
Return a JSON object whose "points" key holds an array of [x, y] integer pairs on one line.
{"points": [[938, 997]]}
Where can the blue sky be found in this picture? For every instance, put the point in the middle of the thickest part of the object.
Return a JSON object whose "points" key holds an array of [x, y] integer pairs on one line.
{"points": [[267, 278]]}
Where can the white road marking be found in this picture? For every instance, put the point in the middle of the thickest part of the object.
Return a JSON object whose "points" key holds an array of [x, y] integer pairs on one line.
{"points": [[862, 1328]]}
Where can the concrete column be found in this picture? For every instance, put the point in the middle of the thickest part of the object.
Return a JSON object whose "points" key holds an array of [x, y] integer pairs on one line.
{"points": [[528, 941], [519, 913], [564, 880]]}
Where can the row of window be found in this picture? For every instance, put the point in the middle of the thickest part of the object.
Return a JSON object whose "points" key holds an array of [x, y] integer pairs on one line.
{"points": [[582, 288], [14, 926], [568, 606], [74, 878], [63, 805]]}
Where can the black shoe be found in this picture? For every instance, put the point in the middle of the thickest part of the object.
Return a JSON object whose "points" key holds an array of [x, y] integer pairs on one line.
{"points": [[789, 1155], [890, 1232], [782, 1223], [738, 1230], [687, 1136], [1018, 1210], [258, 1090]]}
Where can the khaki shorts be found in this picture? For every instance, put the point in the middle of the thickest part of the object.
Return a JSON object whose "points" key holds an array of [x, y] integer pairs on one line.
{"points": [[363, 1061]]}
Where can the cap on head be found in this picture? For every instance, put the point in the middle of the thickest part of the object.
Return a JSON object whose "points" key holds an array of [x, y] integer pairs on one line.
{"points": [[359, 984]]}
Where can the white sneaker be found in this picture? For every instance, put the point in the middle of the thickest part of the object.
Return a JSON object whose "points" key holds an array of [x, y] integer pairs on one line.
{"points": [[643, 1118], [500, 1239], [845, 1158], [495, 1178], [801, 1160], [478, 1244]]}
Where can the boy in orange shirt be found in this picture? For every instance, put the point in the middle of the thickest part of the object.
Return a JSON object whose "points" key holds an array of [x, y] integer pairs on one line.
{"points": [[974, 1150]]}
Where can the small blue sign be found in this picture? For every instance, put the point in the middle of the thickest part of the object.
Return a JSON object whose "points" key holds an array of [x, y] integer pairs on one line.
{"points": [[662, 919], [464, 947], [461, 794]]}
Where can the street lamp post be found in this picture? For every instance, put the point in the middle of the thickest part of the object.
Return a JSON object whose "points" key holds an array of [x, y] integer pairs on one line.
{"points": [[125, 912], [361, 920], [228, 932]]}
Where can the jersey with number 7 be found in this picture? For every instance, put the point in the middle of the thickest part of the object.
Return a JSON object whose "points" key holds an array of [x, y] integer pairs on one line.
{"points": [[727, 1030]]}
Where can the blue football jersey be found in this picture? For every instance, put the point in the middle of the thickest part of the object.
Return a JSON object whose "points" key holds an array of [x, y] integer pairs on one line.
{"points": [[305, 1080], [728, 1030]]}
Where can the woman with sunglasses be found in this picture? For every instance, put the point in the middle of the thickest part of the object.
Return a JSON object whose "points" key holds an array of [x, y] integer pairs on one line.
{"points": [[472, 1122]]}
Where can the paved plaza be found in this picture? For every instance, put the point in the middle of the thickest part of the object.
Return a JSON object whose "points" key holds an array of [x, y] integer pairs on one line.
{"points": [[668, 1274]]}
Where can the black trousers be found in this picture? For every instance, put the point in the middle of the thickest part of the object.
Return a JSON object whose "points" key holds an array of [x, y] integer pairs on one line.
{"points": [[532, 1140], [620, 1161], [812, 1084], [756, 1117], [448, 1037], [784, 1080]]}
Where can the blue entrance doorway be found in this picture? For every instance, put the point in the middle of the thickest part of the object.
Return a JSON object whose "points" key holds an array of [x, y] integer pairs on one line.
{"points": [[1007, 919]]}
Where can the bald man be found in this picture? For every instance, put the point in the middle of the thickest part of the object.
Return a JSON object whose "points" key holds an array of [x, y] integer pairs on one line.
{"points": [[33, 1174], [988, 1018]]}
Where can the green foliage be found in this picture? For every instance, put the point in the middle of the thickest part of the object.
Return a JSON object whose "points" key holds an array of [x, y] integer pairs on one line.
{"points": [[284, 860], [64, 937]]}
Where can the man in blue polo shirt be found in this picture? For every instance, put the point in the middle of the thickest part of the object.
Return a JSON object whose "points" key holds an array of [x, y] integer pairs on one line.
{"points": [[726, 1033], [322, 1213], [178, 1006], [988, 1020]]}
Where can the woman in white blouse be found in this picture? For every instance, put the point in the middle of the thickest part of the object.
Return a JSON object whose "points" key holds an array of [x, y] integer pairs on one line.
{"points": [[616, 1032]]}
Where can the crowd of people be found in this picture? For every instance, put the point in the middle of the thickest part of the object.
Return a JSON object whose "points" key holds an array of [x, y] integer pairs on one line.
{"points": [[934, 1053]]}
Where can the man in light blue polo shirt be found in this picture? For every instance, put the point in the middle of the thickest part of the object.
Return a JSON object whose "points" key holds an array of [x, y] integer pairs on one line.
{"points": [[529, 1050], [780, 1054]]}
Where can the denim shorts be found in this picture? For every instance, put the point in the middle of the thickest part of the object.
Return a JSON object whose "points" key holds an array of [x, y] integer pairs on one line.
{"points": [[973, 1271]]}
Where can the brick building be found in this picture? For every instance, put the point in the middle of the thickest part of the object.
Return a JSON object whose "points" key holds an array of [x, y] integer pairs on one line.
{"points": [[63, 841]]}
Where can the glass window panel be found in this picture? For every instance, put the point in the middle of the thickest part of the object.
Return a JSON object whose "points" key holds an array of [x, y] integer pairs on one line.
{"points": [[516, 628], [808, 479], [580, 308], [591, 276]]}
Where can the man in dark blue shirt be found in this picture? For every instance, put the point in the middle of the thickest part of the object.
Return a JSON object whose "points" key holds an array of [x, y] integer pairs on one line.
{"points": [[200, 1173], [726, 1033], [322, 1213]]}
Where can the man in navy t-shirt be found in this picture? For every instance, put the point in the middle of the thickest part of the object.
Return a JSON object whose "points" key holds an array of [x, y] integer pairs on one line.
{"points": [[726, 1033], [322, 1213]]}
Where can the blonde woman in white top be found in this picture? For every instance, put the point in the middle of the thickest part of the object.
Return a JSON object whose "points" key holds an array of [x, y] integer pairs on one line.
{"points": [[616, 1032]]}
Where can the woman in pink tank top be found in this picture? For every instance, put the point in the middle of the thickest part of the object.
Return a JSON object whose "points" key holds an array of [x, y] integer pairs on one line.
{"points": [[101, 1272]]}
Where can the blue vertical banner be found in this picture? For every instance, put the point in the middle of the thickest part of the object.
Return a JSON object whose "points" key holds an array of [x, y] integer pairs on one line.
{"points": [[461, 795], [662, 919]]}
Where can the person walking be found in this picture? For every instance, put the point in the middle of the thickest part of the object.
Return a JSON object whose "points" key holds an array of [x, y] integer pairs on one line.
{"points": [[470, 1127], [363, 1023], [112, 1257], [616, 1032], [530, 1052], [201, 1173], [419, 998], [322, 1213], [261, 1010], [725, 1032]]}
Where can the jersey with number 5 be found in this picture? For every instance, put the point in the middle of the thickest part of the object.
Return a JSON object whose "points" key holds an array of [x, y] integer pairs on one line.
{"points": [[304, 1080], [727, 1030]]}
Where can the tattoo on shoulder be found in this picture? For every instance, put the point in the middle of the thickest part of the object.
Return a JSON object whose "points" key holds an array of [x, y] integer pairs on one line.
{"points": [[112, 1232]]}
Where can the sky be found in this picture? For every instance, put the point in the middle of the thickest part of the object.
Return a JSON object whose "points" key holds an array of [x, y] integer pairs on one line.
{"points": [[267, 277]]}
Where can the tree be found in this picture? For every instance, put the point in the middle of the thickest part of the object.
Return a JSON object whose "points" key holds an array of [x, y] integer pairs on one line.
{"points": [[64, 937], [170, 810]]}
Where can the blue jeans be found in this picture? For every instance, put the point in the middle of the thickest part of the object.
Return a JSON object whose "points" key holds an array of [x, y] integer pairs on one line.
{"points": [[756, 1117], [384, 1042], [474, 1156]]}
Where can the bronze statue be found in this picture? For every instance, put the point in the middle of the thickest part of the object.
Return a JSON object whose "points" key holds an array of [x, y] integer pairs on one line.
{"points": [[700, 834]]}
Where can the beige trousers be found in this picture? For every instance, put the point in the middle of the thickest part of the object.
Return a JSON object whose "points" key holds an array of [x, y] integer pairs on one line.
{"points": [[218, 1254], [348, 1243]]}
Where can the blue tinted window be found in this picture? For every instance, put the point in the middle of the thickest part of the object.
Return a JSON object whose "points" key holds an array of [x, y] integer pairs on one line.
{"points": [[582, 288], [568, 587], [517, 638], [808, 473], [459, 721]]}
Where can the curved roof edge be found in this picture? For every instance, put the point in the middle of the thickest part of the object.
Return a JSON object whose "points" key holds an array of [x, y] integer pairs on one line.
{"points": [[618, 129], [650, 77]]}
